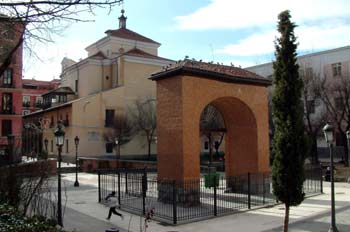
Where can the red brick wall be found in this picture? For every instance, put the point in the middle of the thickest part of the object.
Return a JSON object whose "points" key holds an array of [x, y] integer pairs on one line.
{"points": [[90, 165], [180, 102], [16, 91]]}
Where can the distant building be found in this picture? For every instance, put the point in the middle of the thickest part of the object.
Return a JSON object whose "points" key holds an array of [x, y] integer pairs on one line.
{"points": [[32, 91], [95, 89], [11, 87], [328, 64], [332, 62]]}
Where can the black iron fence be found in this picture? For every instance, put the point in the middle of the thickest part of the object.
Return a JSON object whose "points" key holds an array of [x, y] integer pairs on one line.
{"points": [[139, 190]]}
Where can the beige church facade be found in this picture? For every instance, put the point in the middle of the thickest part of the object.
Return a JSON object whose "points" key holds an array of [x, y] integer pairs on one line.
{"points": [[109, 81]]}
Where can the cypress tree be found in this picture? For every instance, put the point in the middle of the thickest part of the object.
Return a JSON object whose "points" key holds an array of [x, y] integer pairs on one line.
{"points": [[289, 144]]}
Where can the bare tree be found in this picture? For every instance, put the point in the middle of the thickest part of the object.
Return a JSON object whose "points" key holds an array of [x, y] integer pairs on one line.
{"points": [[335, 94], [38, 20], [120, 133], [211, 123], [314, 115], [145, 118]]}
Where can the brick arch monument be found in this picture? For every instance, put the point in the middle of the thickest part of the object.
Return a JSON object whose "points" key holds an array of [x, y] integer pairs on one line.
{"points": [[183, 91]]}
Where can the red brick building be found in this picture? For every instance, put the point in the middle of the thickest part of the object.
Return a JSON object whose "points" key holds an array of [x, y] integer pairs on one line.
{"points": [[11, 88], [32, 91]]}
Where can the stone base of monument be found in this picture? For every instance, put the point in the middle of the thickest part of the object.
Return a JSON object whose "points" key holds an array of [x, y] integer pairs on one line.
{"points": [[186, 194]]}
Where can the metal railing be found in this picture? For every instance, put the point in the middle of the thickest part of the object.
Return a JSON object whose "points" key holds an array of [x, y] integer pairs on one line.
{"points": [[139, 190]]}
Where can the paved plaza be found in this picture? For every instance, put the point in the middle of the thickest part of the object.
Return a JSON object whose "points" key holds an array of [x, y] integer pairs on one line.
{"points": [[84, 214]]}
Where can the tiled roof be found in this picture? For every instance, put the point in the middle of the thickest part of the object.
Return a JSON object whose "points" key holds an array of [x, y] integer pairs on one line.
{"points": [[66, 90], [210, 70], [140, 53], [129, 34]]}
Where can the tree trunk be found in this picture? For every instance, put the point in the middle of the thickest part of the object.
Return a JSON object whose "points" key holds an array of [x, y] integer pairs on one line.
{"points": [[286, 218], [149, 149], [345, 146], [314, 150]]}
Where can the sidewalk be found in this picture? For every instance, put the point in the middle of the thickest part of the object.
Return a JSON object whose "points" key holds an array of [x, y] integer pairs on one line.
{"points": [[85, 214]]}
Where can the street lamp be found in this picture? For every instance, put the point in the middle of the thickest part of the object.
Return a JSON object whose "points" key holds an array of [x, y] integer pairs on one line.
{"points": [[118, 151], [10, 142], [76, 141], [46, 142], [59, 136], [328, 130]]}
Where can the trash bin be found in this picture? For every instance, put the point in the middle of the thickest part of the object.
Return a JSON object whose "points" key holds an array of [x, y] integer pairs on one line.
{"points": [[112, 230], [210, 179]]}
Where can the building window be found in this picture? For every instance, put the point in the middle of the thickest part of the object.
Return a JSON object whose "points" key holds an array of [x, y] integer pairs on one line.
{"points": [[310, 106], [109, 118], [62, 98], [206, 145], [7, 80], [38, 102], [26, 101], [6, 126], [66, 121], [67, 148], [339, 105], [336, 69], [51, 145], [52, 122], [109, 147], [7, 103], [76, 85], [309, 72]]}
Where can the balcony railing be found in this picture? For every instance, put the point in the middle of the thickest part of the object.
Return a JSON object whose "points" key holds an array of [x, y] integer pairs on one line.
{"points": [[7, 86], [8, 111], [39, 105], [26, 104]]}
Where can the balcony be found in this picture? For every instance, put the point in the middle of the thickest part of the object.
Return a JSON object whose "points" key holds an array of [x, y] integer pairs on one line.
{"points": [[8, 111], [46, 105], [39, 105], [2, 85]]}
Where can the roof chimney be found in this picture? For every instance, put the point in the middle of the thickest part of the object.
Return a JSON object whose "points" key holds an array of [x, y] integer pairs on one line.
{"points": [[122, 20]]}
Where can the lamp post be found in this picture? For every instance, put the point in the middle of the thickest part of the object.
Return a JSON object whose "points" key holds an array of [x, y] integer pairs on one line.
{"points": [[59, 136], [118, 151], [10, 142], [328, 134], [76, 141], [46, 142]]}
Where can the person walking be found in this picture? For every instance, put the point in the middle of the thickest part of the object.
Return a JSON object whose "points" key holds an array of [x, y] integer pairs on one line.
{"points": [[112, 204]]}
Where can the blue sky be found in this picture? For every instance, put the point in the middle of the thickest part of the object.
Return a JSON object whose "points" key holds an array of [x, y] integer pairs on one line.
{"points": [[225, 31]]}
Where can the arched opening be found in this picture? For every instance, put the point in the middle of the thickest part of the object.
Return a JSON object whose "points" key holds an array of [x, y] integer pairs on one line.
{"points": [[231, 120], [212, 132]]}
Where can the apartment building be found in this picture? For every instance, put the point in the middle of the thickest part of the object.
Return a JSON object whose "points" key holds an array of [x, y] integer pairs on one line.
{"points": [[11, 88], [330, 64], [32, 91]]}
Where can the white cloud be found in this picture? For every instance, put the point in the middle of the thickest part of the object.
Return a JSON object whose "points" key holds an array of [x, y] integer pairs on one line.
{"points": [[315, 37], [228, 14], [256, 44]]}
